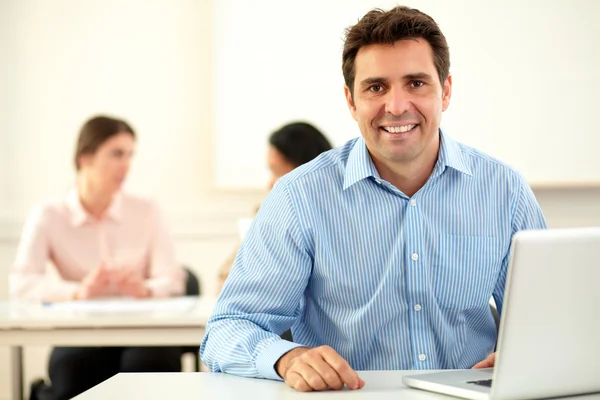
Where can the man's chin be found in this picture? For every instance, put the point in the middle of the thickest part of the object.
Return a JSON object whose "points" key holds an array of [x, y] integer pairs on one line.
{"points": [[401, 153]]}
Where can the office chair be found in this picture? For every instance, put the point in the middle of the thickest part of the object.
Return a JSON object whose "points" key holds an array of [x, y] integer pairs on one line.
{"points": [[192, 288], [496, 316], [287, 335]]}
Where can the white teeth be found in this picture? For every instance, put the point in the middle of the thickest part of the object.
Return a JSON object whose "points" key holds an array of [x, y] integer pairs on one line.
{"points": [[399, 129]]}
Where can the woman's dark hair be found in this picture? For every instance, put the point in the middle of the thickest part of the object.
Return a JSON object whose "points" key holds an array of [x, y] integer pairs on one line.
{"points": [[95, 132], [299, 142]]}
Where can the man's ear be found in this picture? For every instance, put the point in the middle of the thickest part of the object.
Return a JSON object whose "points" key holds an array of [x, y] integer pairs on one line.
{"points": [[447, 93], [350, 101], [84, 160]]}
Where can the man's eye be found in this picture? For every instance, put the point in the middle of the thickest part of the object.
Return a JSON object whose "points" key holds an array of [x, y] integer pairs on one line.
{"points": [[376, 88], [417, 84]]}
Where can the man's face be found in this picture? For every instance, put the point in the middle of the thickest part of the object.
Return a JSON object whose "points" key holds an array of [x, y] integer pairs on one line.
{"points": [[398, 100]]}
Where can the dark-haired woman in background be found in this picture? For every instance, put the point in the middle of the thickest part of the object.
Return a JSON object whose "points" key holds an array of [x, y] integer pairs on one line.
{"points": [[101, 242], [290, 146]]}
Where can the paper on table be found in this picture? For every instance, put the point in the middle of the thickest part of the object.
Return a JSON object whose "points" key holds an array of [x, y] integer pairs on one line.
{"points": [[125, 305]]}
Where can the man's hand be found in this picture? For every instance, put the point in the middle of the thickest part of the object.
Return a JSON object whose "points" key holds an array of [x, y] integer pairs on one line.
{"points": [[95, 284], [487, 363], [320, 368]]}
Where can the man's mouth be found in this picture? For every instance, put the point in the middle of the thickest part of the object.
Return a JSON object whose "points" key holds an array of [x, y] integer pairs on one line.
{"points": [[399, 129]]}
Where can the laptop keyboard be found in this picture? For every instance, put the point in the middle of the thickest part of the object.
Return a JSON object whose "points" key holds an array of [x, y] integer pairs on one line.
{"points": [[485, 382]]}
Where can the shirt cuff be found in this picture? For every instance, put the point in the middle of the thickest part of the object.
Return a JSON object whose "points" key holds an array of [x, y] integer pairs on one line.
{"points": [[265, 362]]}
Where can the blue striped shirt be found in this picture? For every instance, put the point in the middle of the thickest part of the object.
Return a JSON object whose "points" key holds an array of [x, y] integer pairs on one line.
{"points": [[390, 282]]}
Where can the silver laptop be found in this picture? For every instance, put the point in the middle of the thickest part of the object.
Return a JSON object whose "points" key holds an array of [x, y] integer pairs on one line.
{"points": [[549, 342]]}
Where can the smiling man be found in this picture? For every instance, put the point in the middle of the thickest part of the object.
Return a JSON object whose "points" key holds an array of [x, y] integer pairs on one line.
{"points": [[383, 253]]}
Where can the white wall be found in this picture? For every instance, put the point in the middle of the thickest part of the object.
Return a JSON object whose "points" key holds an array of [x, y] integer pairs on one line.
{"points": [[525, 80], [163, 85], [6, 99], [136, 59]]}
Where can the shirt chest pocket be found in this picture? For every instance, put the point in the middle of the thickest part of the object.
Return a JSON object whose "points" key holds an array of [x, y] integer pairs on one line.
{"points": [[465, 270]]}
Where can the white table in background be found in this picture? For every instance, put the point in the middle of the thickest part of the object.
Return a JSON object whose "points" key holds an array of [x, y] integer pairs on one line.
{"points": [[175, 386], [169, 322]]}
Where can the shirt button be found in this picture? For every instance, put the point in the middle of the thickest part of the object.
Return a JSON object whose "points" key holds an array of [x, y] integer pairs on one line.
{"points": [[415, 256], [378, 181], [422, 357], [417, 307], [413, 202]]}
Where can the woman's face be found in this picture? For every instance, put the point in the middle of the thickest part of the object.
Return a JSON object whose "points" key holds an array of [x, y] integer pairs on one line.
{"points": [[278, 165], [107, 168]]}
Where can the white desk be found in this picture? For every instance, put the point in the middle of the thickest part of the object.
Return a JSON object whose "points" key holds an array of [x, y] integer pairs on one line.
{"points": [[181, 323], [204, 385]]}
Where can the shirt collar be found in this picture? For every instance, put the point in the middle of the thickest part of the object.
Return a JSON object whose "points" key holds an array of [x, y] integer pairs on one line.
{"points": [[451, 155], [79, 215], [360, 165]]}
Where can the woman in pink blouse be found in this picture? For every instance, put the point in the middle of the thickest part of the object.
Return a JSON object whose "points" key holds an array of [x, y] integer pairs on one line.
{"points": [[101, 242]]}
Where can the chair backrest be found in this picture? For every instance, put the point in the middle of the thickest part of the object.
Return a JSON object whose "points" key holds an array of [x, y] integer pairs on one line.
{"points": [[496, 317], [192, 283], [192, 288]]}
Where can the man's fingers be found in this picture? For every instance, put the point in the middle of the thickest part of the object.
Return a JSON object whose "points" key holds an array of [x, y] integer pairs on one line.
{"points": [[331, 378], [341, 366], [321, 368], [487, 363], [310, 376], [326, 372], [296, 381]]}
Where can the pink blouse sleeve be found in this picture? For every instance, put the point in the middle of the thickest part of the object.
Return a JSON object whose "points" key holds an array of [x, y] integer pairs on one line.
{"points": [[28, 279], [166, 278]]}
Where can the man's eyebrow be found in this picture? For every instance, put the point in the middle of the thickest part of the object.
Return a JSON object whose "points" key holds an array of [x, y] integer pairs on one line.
{"points": [[412, 76], [417, 76], [372, 80]]}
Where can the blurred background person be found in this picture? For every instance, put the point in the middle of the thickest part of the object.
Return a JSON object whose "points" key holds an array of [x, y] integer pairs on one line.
{"points": [[290, 146], [101, 242]]}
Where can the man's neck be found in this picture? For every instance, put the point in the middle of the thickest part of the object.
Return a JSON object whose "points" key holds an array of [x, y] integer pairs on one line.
{"points": [[409, 177]]}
